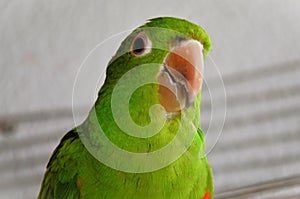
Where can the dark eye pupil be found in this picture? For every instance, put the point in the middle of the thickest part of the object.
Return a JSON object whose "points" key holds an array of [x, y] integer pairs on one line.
{"points": [[138, 46]]}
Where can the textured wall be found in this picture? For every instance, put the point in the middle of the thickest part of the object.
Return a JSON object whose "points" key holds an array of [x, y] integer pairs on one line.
{"points": [[255, 47]]}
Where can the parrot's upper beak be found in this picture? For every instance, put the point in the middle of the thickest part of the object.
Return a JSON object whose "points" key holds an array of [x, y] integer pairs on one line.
{"points": [[181, 76]]}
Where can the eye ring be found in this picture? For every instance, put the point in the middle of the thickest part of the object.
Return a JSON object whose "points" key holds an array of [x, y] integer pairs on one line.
{"points": [[141, 45]]}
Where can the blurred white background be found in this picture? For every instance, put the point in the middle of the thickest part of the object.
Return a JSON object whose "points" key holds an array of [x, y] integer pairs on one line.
{"points": [[255, 46]]}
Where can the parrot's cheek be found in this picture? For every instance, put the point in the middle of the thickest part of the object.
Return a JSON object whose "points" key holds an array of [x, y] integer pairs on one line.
{"points": [[181, 76]]}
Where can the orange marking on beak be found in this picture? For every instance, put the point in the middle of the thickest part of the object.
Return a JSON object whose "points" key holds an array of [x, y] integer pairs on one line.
{"points": [[168, 99], [182, 75]]}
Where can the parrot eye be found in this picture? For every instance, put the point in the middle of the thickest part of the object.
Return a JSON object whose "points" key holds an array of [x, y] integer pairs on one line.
{"points": [[141, 45]]}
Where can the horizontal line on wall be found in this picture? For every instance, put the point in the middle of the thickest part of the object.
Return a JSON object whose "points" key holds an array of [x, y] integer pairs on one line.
{"points": [[257, 73], [256, 97], [259, 118], [256, 141], [258, 190]]}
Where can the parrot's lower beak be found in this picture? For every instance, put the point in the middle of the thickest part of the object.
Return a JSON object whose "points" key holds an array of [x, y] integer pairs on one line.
{"points": [[181, 76]]}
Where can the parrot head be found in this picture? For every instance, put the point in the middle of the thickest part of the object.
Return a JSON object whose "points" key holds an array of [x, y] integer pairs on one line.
{"points": [[151, 96], [177, 48]]}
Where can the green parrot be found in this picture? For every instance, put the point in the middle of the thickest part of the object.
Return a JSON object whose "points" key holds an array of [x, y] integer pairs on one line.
{"points": [[142, 138]]}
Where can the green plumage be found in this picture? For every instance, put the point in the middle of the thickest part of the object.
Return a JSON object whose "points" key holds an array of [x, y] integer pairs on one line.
{"points": [[73, 172]]}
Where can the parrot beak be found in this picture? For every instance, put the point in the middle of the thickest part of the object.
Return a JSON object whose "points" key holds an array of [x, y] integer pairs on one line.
{"points": [[180, 78]]}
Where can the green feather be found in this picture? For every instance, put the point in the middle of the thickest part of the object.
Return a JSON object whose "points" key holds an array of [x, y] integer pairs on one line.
{"points": [[73, 172]]}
